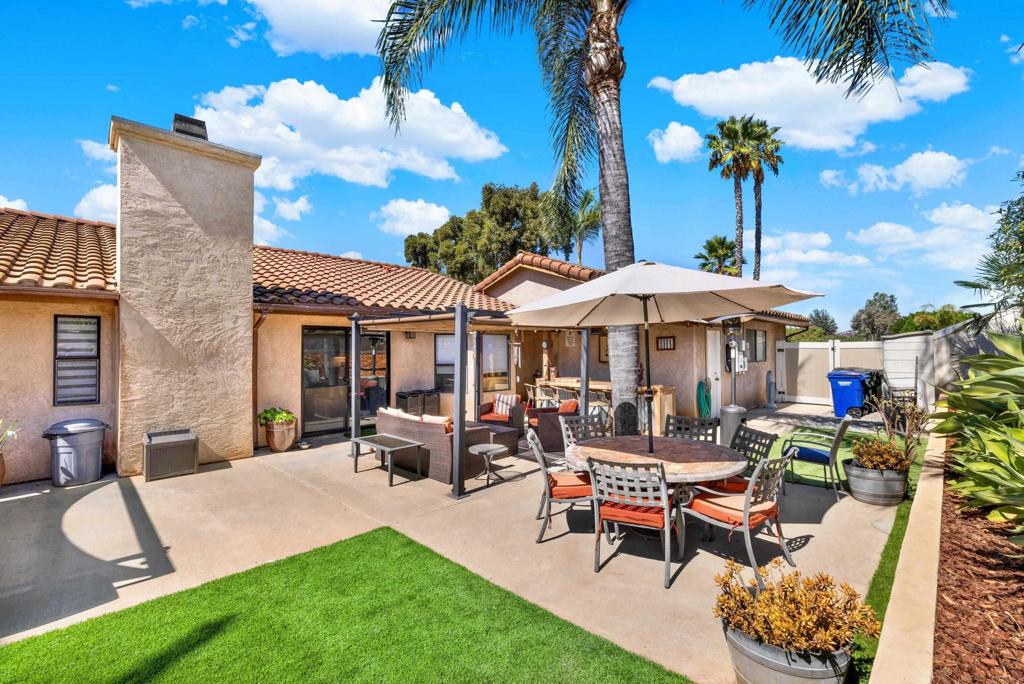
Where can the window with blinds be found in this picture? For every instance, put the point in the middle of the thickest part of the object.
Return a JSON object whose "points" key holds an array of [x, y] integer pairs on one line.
{"points": [[76, 360]]}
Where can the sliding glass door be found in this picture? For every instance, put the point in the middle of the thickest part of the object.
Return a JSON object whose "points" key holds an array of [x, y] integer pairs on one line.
{"points": [[325, 386]]}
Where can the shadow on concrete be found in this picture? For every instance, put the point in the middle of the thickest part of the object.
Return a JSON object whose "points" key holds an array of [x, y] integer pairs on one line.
{"points": [[45, 577], [156, 664]]}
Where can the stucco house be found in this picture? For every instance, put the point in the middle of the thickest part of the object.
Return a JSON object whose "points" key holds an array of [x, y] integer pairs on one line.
{"points": [[173, 318]]}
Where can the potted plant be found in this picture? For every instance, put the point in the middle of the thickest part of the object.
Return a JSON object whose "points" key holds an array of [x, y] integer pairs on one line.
{"points": [[795, 629], [878, 472], [7, 432], [280, 427]]}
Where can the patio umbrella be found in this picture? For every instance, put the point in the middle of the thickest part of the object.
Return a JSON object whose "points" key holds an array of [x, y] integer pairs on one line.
{"points": [[649, 292]]}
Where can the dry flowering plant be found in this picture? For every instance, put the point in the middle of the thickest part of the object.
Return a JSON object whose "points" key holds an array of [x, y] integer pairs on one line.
{"points": [[897, 441], [796, 613]]}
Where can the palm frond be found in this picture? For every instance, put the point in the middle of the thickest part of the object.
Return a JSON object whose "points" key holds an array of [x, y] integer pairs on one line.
{"points": [[855, 43], [416, 32]]}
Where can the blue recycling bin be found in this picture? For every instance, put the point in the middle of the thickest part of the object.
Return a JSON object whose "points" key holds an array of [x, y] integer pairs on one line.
{"points": [[848, 392]]}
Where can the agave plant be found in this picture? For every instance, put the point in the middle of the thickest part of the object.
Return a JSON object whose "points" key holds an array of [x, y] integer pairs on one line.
{"points": [[984, 415]]}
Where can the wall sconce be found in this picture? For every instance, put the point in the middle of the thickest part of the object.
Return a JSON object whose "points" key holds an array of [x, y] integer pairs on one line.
{"points": [[544, 344], [410, 335]]}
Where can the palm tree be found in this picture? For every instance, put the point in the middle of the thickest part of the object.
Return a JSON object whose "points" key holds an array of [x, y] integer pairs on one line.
{"points": [[718, 255], [567, 228], [765, 155], [732, 149], [582, 66], [587, 222]]}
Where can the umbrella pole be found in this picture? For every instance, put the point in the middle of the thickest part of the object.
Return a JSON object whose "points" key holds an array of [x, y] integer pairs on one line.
{"points": [[648, 391]]}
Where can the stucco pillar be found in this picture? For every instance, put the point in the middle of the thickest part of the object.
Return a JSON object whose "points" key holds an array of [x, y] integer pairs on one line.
{"points": [[184, 269]]}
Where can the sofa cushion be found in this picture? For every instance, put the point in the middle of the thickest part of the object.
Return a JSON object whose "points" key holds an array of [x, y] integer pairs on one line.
{"points": [[493, 417], [569, 407], [438, 420], [503, 403]]}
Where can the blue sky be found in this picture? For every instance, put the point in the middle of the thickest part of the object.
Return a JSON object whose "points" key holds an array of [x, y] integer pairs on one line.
{"points": [[892, 192]]}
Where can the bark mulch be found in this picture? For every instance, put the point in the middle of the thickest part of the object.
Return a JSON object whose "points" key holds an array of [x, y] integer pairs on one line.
{"points": [[979, 614]]}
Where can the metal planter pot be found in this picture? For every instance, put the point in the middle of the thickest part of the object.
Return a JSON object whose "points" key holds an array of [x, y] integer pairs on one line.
{"points": [[757, 663], [280, 436], [878, 487]]}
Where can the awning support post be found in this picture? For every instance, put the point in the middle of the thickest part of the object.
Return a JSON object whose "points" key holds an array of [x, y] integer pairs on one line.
{"points": [[478, 372], [355, 424], [459, 410], [585, 372]]}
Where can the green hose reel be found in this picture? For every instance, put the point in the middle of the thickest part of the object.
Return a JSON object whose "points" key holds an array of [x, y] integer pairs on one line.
{"points": [[704, 398]]}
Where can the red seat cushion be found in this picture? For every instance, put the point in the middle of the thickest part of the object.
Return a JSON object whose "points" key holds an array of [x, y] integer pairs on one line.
{"points": [[735, 484], [728, 508], [534, 422], [629, 514], [569, 485], [494, 417], [570, 407]]}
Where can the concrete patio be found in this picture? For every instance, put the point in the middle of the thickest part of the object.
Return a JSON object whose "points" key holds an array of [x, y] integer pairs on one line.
{"points": [[66, 555]]}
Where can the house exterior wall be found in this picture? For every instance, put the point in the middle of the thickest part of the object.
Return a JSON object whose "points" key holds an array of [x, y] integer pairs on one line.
{"points": [[26, 367], [526, 285], [751, 387], [184, 255]]}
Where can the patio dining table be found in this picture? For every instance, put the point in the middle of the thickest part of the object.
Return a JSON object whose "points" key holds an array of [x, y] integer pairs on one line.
{"points": [[686, 462]]}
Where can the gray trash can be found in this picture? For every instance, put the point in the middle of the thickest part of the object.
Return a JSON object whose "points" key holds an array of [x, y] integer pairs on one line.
{"points": [[76, 450]]}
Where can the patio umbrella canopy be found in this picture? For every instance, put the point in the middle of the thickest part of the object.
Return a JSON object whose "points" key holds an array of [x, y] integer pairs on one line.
{"points": [[649, 292], [673, 295]]}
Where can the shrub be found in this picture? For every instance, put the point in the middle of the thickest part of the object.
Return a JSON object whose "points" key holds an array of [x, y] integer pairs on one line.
{"points": [[983, 414], [797, 613], [881, 454], [276, 416]]}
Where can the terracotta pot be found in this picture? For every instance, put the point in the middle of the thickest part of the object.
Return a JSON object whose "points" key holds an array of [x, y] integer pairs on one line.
{"points": [[280, 436]]}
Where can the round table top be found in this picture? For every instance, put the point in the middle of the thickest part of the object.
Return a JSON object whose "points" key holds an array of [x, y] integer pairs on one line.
{"points": [[482, 449], [685, 461]]}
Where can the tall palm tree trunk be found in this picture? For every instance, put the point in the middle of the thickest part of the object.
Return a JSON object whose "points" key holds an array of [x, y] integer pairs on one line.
{"points": [[757, 228], [737, 188], [605, 68], [579, 251]]}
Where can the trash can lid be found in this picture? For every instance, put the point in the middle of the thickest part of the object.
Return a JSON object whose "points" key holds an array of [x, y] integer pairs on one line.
{"points": [[74, 427], [850, 373]]}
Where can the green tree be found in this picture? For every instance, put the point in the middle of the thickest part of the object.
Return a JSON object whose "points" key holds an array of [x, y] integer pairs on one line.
{"points": [[823, 320], [471, 247], [878, 317], [1000, 276], [568, 228], [731, 150], [812, 334], [582, 66], [930, 318], [717, 256], [764, 155]]}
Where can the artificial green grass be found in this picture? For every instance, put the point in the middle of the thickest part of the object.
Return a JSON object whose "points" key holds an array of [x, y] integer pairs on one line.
{"points": [[880, 587], [375, 608]]}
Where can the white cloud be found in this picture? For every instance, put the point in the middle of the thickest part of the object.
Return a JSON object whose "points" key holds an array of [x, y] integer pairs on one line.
{"points": [[920, 172], [13, 203], [865, 147], [111, 88], [1014, 49], [98, 151], [242, 33], [998, 151], [291, 210], [801, 259], [832, 178], [303, 129], [352, 255], [324, 27], [264, 231], [676, 143], [796, 240], [406, 217], [812, 115], [99, 204], [955, 240], [190, 21]]}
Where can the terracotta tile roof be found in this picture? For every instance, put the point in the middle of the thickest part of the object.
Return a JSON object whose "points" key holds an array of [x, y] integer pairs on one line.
{"points": [[544, 263], [786, 316], [286, 276], [41, 250]]}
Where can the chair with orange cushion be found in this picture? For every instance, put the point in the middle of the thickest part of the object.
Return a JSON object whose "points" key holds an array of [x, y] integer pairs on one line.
{"points": [[750, 511], [560, 484], [635, 495], [755, 446], [577, 428]]}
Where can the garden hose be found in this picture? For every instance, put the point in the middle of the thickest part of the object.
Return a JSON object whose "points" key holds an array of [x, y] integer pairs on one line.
{"points": [[704, 398]]}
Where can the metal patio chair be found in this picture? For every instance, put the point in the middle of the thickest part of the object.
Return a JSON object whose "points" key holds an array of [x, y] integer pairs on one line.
{"points": [[691, 428], [560, 484], [750, 511], [820, 448], [755, 445], [581, 428], [635, 495]]}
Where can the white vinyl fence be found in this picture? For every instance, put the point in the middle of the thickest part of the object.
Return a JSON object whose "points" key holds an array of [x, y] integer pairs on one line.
{"points": [[803, 367]]}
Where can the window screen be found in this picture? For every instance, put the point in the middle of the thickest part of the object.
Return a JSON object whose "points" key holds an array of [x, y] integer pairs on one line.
{"points": [[76, 360], [444, 362], [495, 363], [757, 346]]}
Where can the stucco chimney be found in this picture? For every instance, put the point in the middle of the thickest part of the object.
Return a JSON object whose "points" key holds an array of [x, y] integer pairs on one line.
{"points": [[184, 269]]}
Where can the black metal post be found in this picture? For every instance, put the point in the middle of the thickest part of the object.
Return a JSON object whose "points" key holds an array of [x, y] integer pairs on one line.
{"points": [[459, 410], [585, 372], [648, 391], [478, 373], [354, 360]]}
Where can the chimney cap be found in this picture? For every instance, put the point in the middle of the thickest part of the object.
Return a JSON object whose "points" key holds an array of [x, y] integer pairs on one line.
{"points": [[186, 125]]}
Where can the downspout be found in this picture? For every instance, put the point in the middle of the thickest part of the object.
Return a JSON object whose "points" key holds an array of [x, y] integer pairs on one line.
{"points": [[255, 372]]}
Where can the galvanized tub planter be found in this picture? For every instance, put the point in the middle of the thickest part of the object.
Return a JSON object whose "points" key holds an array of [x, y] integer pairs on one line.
{"points": [[755, 662], [878, 487]]}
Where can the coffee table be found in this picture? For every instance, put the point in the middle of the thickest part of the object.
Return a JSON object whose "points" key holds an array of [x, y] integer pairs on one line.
{"points": [[386, 445]]}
